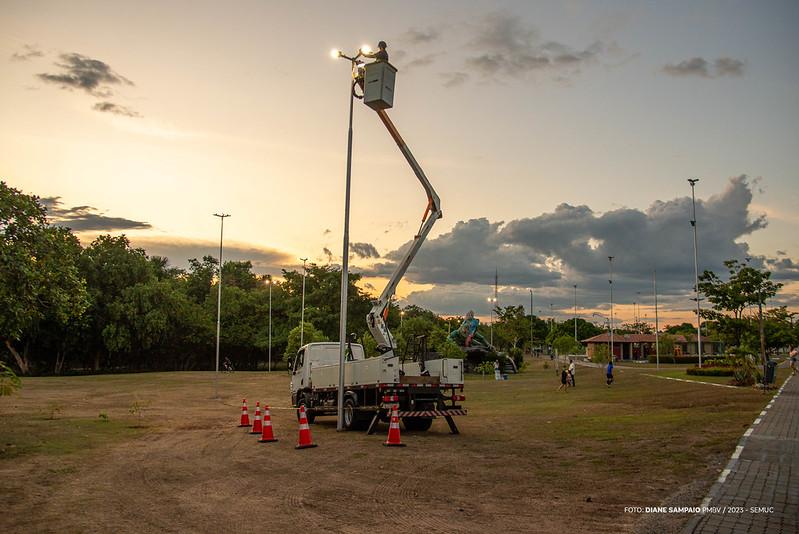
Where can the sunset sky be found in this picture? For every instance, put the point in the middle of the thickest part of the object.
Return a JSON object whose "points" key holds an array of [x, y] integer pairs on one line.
{"points": [[556, 134]]}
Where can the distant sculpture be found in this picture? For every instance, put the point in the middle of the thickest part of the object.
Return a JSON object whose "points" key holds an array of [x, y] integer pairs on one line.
{"points": [[467, 335]]}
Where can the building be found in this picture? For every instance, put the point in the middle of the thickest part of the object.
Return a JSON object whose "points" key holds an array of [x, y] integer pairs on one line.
{"points": [[641, 346]]}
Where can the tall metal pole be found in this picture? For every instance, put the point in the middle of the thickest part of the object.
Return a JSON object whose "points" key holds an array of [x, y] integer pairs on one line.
{"points": [[693, 181], [575, 313], [492, 301], [345, 277], [219, 300], [610, 282], [531, 321], [269, 278], [302, 311], [657, 326]]}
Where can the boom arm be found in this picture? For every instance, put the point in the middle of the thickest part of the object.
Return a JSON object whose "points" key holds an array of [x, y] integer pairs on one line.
{"points": [[376, 318]]}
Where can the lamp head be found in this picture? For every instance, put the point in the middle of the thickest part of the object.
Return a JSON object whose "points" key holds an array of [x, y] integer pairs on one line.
{"points": [[335, 53]]}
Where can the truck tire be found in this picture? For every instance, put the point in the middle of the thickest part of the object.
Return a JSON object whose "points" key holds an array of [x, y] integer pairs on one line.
{"points": [[350, 414], [417, 424], [303, 401]]}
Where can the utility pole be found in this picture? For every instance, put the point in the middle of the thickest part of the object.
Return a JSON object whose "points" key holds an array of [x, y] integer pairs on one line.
{"points": [[493, 302], [302, 311], [610, 282], [693, 181], [657, 339], [219, 299]]}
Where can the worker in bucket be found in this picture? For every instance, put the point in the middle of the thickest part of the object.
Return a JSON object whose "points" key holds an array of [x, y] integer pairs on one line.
{"points": [[380, 55]]}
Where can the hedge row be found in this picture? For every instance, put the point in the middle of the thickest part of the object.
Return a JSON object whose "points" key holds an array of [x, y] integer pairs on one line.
{"points": [[674, 359], [711, 371]]}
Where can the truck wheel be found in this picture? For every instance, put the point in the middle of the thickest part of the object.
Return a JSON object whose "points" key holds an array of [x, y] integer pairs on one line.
{"points": [[350, 414], [420, 424], [303, 401]]}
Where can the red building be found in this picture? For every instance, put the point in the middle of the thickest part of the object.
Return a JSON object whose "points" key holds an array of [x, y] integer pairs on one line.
{"points": [[641, 346]]}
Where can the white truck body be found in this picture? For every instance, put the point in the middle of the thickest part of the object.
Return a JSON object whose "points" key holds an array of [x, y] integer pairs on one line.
{"points": [[316, 367], [372, 386]]}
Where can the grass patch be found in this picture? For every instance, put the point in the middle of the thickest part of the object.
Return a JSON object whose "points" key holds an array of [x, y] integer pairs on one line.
{"points": [[24, 435]]}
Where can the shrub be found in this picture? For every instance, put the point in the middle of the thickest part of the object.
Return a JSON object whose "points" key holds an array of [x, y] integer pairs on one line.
{"points": [[601, 354], [746, 372], [485, 368], [710, 371], [675, 359]]}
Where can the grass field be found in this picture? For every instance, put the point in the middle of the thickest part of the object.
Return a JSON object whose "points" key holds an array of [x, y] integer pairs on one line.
{"points": [[154, 452]]}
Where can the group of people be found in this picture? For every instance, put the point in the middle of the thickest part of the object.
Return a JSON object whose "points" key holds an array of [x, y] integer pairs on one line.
{"points": [[567, 375]]}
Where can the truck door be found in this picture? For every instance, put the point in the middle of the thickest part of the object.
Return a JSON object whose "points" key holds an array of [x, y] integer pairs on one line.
{"points": [[298, 372]]}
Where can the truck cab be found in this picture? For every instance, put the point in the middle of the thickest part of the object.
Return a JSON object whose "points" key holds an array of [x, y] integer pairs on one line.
{"points": [[315, 356]]}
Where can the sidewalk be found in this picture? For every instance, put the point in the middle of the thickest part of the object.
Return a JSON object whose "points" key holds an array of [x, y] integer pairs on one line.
{"points": [[760, 485]]}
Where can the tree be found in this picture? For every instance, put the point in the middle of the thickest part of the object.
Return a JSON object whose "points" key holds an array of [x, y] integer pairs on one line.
{"points": [[310, 335], [744, 287], [566, 345], [200, 277], [39, 278]]}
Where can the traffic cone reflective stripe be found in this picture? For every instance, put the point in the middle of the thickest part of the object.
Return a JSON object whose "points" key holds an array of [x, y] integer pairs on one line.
{"points": [[266, 435], [394, 431], [256, 427], [304, 441], [245, 418]]}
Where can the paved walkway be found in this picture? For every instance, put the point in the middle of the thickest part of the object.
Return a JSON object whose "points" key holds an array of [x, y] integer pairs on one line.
{"points": [[758, 491]]}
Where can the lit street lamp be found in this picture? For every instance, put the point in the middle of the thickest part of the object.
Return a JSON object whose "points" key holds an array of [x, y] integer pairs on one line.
{"points": [[342, 324], [693, 181], [219, 299]]}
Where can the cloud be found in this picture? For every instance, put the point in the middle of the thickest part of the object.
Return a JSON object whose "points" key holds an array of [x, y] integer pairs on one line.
{"points": [[28, 52], [328, 254], [509, 48], [421, 36], [86, 74], [726, 66], [180, 250], [422, 61], [87, 218], [454, 79], [570, 245], [698, 66], [364, 250], [116, 109], [327, 231]]}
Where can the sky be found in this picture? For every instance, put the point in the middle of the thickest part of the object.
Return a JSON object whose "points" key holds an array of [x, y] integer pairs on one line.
{"points": [[555, 133]]}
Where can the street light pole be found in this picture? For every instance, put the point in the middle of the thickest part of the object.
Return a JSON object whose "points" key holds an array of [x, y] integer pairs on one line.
{"points": [[302, 311], [531, 322], [492, 301], [657, 340], [693, 181], [269, 282], [610, 282], [342, 323], [219, 299], [575, 312]]}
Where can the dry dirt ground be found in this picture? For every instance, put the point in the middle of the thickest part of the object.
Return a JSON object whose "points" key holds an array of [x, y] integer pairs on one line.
{"points": [[165, 457]]}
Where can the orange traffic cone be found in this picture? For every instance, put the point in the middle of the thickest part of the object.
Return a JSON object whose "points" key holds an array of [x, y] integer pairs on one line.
{"points": [[267, 436], [394, 431], [256, 427], [245, 418], [304, 441]]}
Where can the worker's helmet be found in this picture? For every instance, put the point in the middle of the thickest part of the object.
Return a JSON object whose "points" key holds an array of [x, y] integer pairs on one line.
{"points": [[382, 44]]}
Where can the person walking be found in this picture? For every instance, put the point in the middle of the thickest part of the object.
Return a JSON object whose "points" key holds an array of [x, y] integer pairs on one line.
{"points": [[564, 380], [610, 372], [572, 367], [793, 355], [497, 376]]}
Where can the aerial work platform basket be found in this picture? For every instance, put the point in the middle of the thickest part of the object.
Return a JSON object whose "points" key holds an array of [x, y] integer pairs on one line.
{"points": [[378, 85]]}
